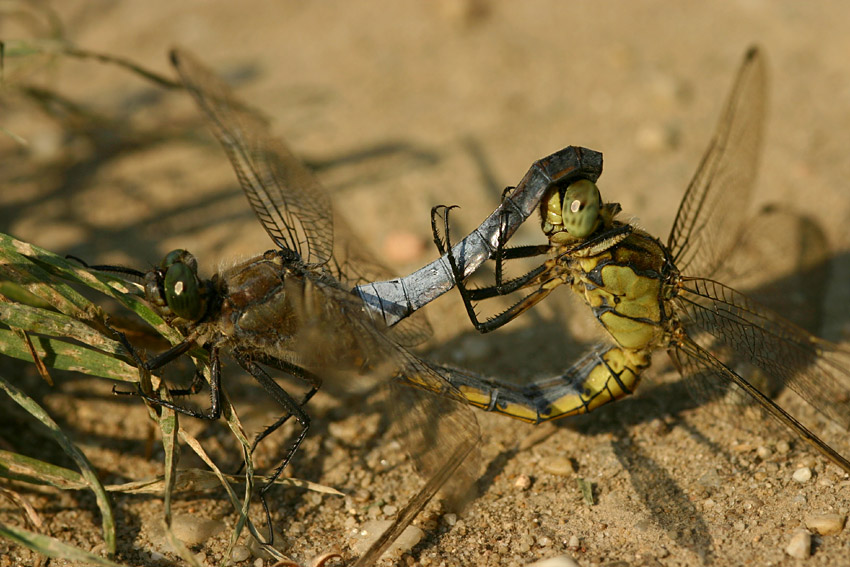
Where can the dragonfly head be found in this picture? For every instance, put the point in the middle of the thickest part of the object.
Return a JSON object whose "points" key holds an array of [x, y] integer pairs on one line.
{"points": [[175, 288], [573, 213]]}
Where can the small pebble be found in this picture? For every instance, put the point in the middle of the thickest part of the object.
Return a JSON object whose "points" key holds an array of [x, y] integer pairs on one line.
{"points": [[258, 562], [574, 542], [372, 530], [559, 561], [389, 510], [258, 551], [450, 519], [800, 546], [523, 482], [826, 524], [559, 466], [803, 474], [240, 553], [783, 447], [763, 452], [193, 530]]}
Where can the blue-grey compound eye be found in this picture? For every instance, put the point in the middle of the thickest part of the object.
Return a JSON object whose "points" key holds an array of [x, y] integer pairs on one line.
{"points": [[580, 208], [182, 293]]}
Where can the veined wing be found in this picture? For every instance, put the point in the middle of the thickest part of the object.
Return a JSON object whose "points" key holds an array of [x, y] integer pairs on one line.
{"points": [[697, 364], [817, 370], [712, 212], [431, 416], [291, 204], [354, 264], [287, 198]]}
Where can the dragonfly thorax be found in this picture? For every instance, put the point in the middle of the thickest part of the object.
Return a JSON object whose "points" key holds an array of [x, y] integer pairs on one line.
{"points": [[625, 286]]}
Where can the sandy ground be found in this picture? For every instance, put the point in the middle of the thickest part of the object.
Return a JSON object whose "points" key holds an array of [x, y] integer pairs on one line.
{"points": [[400, 106]]}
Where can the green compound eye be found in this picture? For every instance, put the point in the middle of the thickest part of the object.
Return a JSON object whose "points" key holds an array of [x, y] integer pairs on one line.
{"points": [[182, 293], [179, 256], [580, 208]]}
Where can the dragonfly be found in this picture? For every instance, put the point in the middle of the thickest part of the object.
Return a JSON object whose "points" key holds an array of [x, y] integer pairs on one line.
{"points": [[321, 304], [292, 309], [651, 296]]}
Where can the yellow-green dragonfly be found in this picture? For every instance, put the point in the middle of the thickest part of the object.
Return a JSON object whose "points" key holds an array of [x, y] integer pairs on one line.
{"points": [[650, 296]]}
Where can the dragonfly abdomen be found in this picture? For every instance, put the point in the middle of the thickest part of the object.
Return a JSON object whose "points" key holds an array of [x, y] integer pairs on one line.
{"points": [[604, 375]]}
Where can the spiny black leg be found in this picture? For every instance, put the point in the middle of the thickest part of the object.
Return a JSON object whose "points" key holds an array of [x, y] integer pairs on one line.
{"points": [[469, 296], [456, 272], [498, 256], [441, 247], [164, 358], [198, 382], [293, 370], [293, 409], [508, 287]]}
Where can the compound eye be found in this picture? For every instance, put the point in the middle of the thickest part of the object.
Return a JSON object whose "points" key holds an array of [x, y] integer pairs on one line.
{"points": [[580, 208], [179, 256], [182, 291]]}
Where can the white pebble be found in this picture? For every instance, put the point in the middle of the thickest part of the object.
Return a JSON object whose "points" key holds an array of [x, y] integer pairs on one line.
{"points": [[559, 466], [370, 531], [800, 546], [803, 474], [240, 553], [193, 530], [826, 524], [389, 510], [559, 561], [523, 482]]}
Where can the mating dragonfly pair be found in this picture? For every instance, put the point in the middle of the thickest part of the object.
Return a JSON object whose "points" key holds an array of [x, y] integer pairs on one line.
{"points": [[320, 304]]}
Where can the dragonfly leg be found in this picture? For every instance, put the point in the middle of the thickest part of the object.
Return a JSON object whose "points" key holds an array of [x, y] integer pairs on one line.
{"points": [[293, 370], [470, 296], [292, 408], [212, 414]]}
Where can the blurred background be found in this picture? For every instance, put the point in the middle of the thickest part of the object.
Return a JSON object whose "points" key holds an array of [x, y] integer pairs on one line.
{"points": [[401, 106]]}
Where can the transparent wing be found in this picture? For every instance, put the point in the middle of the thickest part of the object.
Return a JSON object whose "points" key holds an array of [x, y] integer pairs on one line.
{"points": [[698, 364], [354, 264], [712, 212], [715, 315], [290, 202], [433, 422], [429, 413], [293, 208]]}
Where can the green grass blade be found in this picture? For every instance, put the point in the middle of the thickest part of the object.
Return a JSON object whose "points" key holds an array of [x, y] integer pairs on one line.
{"points": [[74, 452], [62, 355], [52, 547]]}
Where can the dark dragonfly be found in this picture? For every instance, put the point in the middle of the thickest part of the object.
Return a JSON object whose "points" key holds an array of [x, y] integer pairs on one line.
{"points": [[292, 308], [651, 296]]}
